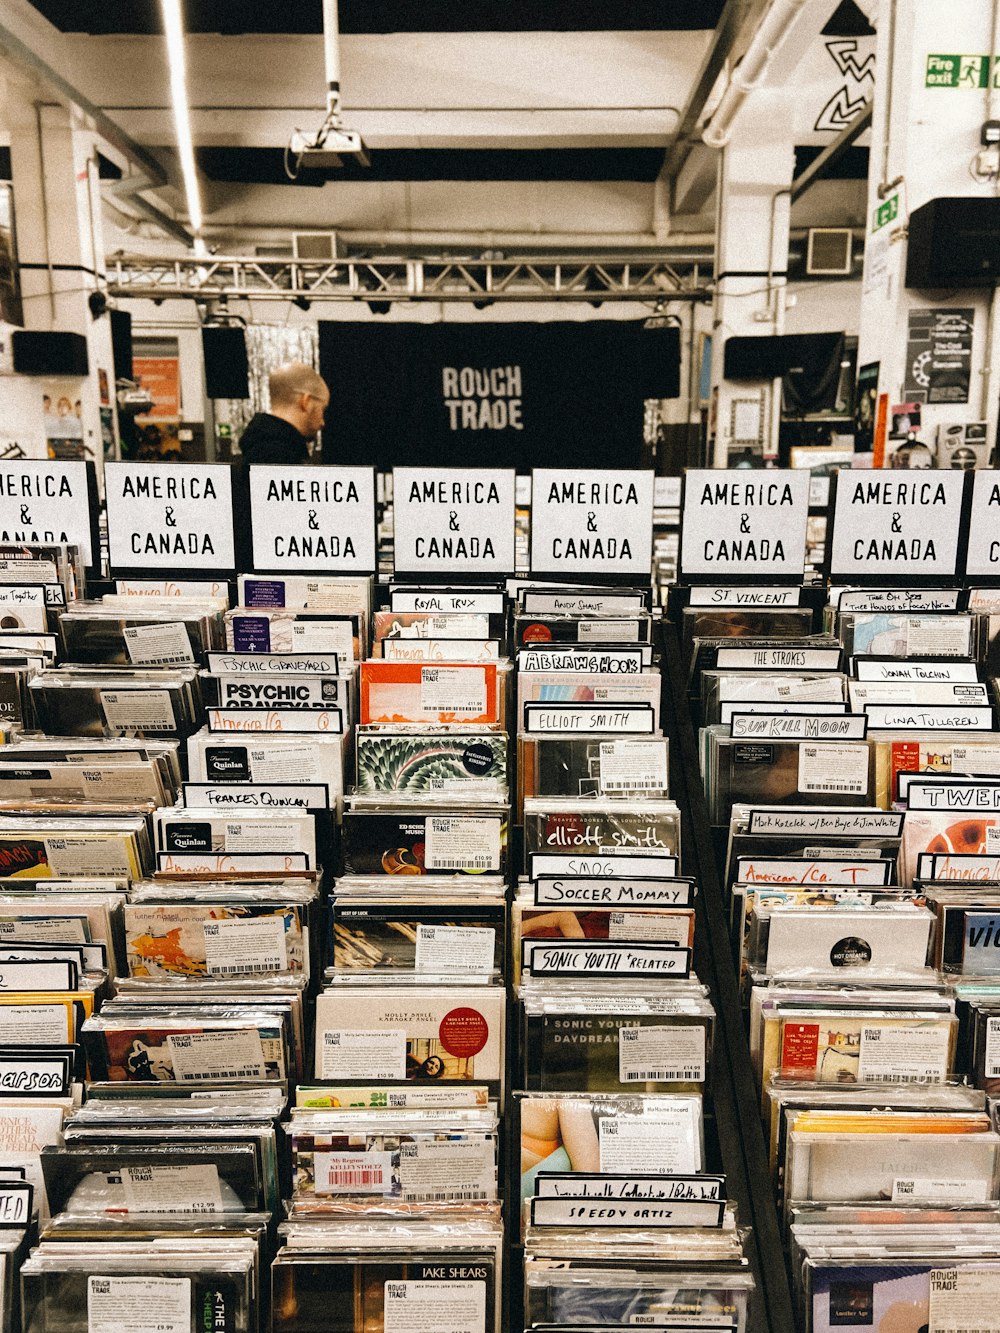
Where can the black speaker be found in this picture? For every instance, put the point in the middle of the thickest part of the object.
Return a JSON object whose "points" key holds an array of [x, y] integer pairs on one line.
{"points": [[39, 353], [121, 343], [762, 358], [954, 243], [226, 370]]}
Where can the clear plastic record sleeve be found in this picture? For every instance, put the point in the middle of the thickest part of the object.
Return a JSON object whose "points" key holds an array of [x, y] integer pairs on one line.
{"points": [[439, 763]]}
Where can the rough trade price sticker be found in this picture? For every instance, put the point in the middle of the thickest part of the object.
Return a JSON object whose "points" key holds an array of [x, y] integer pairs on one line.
{"points": [[434, 1307], [841, 769], [376, 1054], [632, 766], [232, 1054], [964, 1300], [139, 1304], [662, 1054], [461, 843], [903, 1054], [455, 949], [172, 1189], [239, 946], [460, 690], [158, 645]]}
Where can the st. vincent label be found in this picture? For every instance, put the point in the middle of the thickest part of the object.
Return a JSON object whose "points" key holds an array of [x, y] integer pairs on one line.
{"points": [[453, 520], [744, 523], [313, 518], [170, 515], [592, 521]]}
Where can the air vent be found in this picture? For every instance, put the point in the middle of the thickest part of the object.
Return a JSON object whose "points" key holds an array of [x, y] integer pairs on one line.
{"points": [[317, 246], [829, 253]]}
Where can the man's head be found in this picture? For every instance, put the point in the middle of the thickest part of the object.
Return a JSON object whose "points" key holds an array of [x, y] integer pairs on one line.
{"points": [[299, 396]]}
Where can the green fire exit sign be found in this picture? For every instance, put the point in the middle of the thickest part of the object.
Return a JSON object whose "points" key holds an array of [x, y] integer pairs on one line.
{"points": [[956, 71]]}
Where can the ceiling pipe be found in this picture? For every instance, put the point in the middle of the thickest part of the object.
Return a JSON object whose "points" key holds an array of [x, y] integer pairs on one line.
{"points": [[752, 69]]}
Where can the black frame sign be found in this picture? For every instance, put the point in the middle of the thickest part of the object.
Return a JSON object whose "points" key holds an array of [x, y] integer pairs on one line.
{"points": [[313, 519], [450, 521], [592, 521], [897, 527], [738, 525], [983, 560], [170, 516], [48, 501]]}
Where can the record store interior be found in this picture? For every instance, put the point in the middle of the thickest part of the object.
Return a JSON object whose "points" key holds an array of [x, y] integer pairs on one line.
{"points": [[499, 666]]}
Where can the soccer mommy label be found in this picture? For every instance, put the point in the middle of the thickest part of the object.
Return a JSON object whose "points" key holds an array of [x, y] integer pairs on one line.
{"points": [[593, 521], [894, 528], [733, 526], [451, 520], [45, 502], [170, 515], [317, 518]]}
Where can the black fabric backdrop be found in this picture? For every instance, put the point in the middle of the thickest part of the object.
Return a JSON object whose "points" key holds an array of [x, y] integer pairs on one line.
{"points": [[577, 390]]}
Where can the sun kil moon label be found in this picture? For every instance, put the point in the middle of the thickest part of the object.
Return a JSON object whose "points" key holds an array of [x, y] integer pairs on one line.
{"points": [[594, 521], [453, 521], [317, 518], [170, 515], [732, 525], [896, 528]]}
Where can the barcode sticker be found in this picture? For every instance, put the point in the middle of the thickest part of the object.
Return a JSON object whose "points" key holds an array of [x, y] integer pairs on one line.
{"points": [[632, 766], [137, 1304], [661, 1054], [459, 690], [964, 1300], [461, 843], [445, 949], [834, 767], [230, 1054], [172, 1189], [353, 1172], [992, 1052], [448, 1170], [943, 1189], [434, 1307], [158, 645], [900, 1054], [245, 946], [378, 1054]]}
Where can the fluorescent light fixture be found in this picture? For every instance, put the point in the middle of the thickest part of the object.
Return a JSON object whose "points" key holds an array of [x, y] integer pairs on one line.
{"points": [[173, 26]]}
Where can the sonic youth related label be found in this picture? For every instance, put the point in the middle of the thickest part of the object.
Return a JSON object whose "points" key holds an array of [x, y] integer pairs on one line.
{"points": [[608, 865], [780, 659], [661, 1054], [745, 597], [445, 1306], [171, 1189], [138, 710], [899, 599], [453, 689], [232, 1054], [597, 521], [584, 1185], [921, 673], [353, 1172], [139, 1304], [585, 1212], [245, 945], [157, 645], [983, 559], [461, 842], [788, 726], [33, 1076], [46, 503], [546, 718], [170, 515], [378, 1055], [832, 767], [325, 720], [15, 1200], [790, 870], [613, 662], [257, 796], [230, 863], [317, 518], [563, 958], [453, 520], [960, 794], [891, 527], [939, 1189], [744, 523], [632, 766], [607, 631], [581, 604], [276, 664], [444, 949], [554, 891], [974, 869], [929, 717], [195, 588], [963, 1300], [903, 1054], [448, 602], [665, 1141], [836, 823]]}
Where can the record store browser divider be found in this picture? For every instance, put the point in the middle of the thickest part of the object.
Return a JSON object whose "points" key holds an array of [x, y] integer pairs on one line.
{"points": [[367, 963]]}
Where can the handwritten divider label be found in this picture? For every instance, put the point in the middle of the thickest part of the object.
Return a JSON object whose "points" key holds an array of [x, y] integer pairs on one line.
{"points": [[598, 891], [314, 518], [170, 516], [590, 1212], [736, 523], [790, 726], [895, 526], [47, 502], [984, 527], [707, 596], [593, 521], [453, 520]]}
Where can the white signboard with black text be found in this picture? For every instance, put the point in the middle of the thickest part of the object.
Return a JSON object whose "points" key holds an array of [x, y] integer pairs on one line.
{"points": [[893, 526], [739, 523], [49, 501], [983, 560], [313, 519], [169, 516], [449, 520], [593, 521]]}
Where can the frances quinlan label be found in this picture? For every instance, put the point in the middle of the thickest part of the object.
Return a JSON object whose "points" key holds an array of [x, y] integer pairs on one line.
{"points": [[735, 523], [895, 528], [591, 521], [317, 518], [453, 520], [170, 515]]}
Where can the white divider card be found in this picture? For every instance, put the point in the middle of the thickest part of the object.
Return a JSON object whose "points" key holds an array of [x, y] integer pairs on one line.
{"points": [[894, 526], [563, 958], [616, 719], [723, 596], [979, 795], [605, 891], [50, 502], [802, 727], [983, 559], [739, 524], [590, 1212], [591, 1185], [170, 516], [605, 865], [313, 519], [591, 521], [449, 520], [929, 717], [667, 492]]}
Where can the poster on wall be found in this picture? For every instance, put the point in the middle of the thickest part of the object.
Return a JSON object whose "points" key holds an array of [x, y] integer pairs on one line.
{"points": [[939, 355], [62, 412], [495, 395], [158, 430]]}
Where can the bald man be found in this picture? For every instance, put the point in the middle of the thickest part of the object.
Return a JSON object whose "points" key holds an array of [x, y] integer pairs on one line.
{"points": [[299, 398]]}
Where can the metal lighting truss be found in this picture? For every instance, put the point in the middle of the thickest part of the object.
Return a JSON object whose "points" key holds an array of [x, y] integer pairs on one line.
{"points": [[476, 280]]}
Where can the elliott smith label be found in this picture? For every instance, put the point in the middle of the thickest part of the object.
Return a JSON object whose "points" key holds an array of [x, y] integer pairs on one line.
{"points": [[170, 515], [315, 518], [453, 520], [591, 521], [587, 1185], [892, 528], [617, 718], [606, 865], [560, 958], [45, 502], [740, 523], [590, 1212], [745, 597], [555, 891], [791, 726], [983, 560]]}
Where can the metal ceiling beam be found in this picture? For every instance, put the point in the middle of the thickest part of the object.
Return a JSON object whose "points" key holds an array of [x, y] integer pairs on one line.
{"points": [[832, 153]]}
